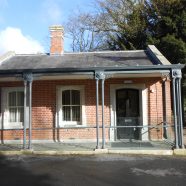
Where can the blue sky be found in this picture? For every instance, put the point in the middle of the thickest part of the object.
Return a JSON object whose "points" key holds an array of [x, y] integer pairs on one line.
{"points": [[28, 20]]}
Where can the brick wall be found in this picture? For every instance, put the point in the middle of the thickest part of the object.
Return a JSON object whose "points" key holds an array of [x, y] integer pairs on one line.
{"points": [[57, 40], [155, 108], [44, 108]]}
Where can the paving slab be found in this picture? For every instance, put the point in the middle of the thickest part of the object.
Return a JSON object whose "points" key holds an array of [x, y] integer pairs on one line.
{"points": [[153, 148]]}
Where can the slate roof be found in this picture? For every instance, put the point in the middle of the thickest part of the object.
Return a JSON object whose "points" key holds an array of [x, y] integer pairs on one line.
{"points": [[150, 58], [79, 60]]}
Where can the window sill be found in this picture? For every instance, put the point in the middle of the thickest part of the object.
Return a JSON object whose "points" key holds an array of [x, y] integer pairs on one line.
{"points": [[12, 128], [71, 126]]}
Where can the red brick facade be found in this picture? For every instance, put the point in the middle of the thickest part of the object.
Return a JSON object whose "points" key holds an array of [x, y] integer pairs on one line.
{"points": [[44, 109]]}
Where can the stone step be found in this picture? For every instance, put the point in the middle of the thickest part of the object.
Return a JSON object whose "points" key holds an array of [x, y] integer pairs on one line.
{"points": [[184, 131]]}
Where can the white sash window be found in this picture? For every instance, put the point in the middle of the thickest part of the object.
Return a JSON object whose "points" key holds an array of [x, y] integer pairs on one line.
{"points": [[71, 105], [12, 107]]}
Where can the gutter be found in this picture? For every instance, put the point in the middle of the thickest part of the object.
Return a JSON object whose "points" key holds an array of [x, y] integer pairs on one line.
{"points": [[128, 69]]}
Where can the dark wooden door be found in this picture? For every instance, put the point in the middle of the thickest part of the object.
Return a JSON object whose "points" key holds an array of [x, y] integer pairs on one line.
{"points": [[127, 113]]}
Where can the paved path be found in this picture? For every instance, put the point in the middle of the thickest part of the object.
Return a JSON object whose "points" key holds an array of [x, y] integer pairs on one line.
{"points": [[99, 170], [58, 146]]}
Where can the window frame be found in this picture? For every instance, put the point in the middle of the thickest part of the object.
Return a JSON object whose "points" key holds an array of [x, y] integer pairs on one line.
{"points": [[6, 124], [60, 122]]}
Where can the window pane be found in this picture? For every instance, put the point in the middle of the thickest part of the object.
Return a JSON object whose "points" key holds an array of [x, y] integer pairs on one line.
{"points": [[12, 99], [12, 112], [66, 113], [66, 97], [76, 113], [20, 99], [75, 97], [20, 114]]}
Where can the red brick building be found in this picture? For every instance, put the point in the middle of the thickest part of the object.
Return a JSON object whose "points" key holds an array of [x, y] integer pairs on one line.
{"points": [[93, 96]]}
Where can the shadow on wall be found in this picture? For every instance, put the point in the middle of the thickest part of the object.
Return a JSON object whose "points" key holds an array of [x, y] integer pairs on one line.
{"points": [[14, 171]]}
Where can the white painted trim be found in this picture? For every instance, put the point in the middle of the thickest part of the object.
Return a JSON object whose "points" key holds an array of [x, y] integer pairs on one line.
{"points": [[59, 122], [143, 107], [157, 54], [6, 56], [4, 119]]}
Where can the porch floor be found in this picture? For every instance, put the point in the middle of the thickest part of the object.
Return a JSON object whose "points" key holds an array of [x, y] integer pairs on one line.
{"points": [[119, 145]]}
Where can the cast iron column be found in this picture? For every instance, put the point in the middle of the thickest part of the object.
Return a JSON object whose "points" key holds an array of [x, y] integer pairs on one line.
{"points": [[181, 114], [175, 112], [25, 116], [177, 106], [28, 79], [30, 111], [103, 104], [99, 75], [97, 112], [164, 108]]}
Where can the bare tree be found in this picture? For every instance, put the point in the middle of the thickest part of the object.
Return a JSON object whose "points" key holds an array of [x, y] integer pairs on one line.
{"points": [[108, 27], [83, 32], [122, 23]]}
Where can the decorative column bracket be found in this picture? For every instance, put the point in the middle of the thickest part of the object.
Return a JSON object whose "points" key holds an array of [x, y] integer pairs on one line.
{"points": [[28, 77], [176, 73], [99, 75], [177, 107]]}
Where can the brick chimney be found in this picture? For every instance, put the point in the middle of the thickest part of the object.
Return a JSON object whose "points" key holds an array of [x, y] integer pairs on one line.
{"points": [[57, 40]]}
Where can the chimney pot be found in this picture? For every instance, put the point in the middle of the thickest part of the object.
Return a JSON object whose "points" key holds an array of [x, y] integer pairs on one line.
{"points": [[57, 40]]}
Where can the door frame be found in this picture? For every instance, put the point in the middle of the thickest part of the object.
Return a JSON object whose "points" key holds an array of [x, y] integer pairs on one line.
{"points": [[142, 106]]}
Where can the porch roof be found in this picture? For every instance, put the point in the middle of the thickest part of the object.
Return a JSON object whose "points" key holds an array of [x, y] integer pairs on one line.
{"points": [[110, 60]]}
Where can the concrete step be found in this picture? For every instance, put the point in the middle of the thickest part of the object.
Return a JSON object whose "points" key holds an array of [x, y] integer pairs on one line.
{"points": [[184, 131]]}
